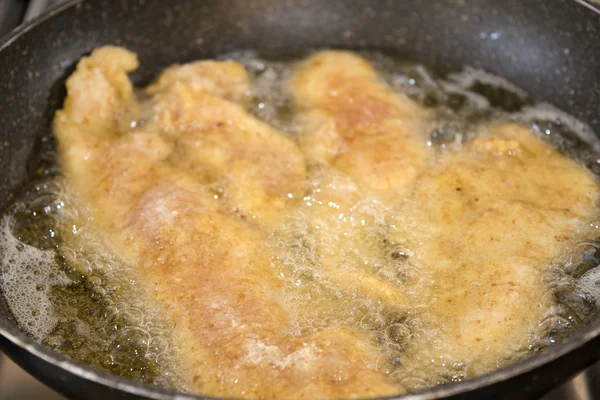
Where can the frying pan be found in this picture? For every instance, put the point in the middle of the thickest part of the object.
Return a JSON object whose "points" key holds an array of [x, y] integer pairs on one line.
{"points": [[550, 48]]}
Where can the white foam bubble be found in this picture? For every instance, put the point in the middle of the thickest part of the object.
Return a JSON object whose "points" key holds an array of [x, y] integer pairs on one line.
{"points": [[462, 83], [469, 76], [476, 101], [545, 111], [590, 283], [28, 274]]}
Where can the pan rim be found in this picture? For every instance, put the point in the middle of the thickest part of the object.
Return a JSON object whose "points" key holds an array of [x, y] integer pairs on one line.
{"points": [[20, 339]]}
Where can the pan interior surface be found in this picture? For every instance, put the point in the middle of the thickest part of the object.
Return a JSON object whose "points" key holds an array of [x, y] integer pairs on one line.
{"points": [[347, 33]]}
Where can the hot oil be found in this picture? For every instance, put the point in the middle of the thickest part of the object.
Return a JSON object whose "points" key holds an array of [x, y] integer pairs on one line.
{"points": [[82, 301]]}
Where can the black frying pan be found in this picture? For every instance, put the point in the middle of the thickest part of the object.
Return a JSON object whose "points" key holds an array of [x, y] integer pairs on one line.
{"points": [[551, 48]]}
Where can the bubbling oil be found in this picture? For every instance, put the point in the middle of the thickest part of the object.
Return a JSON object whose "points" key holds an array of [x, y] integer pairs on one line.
{"points": [[83, 302]]}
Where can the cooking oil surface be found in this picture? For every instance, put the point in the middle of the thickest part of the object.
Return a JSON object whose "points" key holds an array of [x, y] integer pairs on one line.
{"points": [[337, 253]]}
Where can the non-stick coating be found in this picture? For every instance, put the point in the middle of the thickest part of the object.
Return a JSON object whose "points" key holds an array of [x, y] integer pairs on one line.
{"points": [[551, 48]]}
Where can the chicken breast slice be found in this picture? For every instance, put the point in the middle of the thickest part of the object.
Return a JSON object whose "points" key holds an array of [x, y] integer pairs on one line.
{"points": [[485, 224], [208, 268], [364, 143], [359, 125], [251, 166]]}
